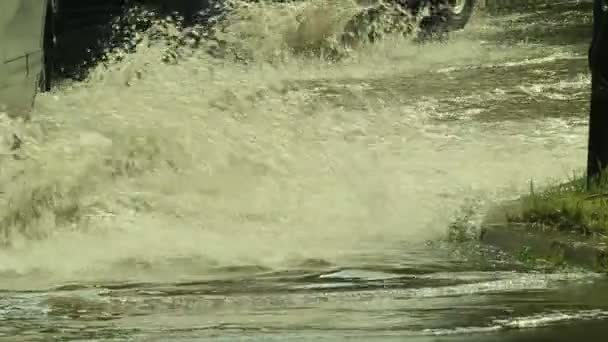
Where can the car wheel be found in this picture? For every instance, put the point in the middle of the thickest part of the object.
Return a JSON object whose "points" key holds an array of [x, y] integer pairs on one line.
{"points": [[460, 12]]}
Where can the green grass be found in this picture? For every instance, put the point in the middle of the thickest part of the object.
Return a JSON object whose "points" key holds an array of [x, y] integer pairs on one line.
{"points": [[566, 207]]}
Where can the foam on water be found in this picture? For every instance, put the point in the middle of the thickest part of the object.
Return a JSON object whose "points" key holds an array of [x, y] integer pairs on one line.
{"points": [[230, 164]]}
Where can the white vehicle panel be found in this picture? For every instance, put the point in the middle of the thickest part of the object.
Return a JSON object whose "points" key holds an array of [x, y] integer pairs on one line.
{"points": [[21, 56]]}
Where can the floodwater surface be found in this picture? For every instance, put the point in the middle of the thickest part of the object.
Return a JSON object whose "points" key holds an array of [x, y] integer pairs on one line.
{"points": [[291, 197]]}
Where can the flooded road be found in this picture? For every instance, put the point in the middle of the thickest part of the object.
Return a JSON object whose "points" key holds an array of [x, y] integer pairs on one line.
{"points": [[293, 198]]}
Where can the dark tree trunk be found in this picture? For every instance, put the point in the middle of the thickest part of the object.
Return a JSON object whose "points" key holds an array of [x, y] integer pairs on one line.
{"points": [[597, 158]]}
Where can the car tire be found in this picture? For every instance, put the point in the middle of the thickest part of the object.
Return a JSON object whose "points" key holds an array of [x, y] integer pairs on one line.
{"points": [[460, 12]]}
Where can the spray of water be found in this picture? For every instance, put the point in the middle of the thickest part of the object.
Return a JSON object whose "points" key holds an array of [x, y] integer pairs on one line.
{"points": [[277, 157]]}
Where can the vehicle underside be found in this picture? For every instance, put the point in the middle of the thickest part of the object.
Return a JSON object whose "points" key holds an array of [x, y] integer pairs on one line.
{"points": [[79, 32]]}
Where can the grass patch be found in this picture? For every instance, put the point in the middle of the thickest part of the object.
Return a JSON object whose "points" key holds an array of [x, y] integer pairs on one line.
{"points": [[567, 207]]}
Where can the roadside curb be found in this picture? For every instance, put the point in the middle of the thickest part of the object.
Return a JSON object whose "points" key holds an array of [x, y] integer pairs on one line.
{"points": [[555, 247]]}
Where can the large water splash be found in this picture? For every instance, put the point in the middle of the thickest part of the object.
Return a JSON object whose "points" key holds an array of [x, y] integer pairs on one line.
{"points": [[168, 170]]}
